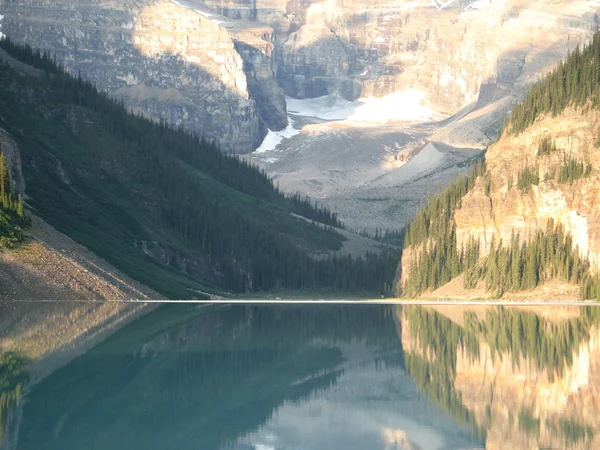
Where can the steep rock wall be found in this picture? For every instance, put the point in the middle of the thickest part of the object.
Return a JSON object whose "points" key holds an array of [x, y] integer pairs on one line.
{"points": [[165, 60], [256, 46], [371, 48], [507, 210]]}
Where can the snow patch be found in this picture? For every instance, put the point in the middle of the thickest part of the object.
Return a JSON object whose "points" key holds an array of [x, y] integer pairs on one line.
{"points": [[2, 35], [274, 138], [186, 5], [406, 106]]}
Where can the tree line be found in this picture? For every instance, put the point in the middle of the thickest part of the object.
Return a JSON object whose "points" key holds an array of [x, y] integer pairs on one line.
{"points": [[574, 81]]}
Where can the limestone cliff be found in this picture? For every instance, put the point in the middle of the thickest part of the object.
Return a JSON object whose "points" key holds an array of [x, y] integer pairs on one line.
{"points": [[507, 209], [164, 59], [452, 52], [220, 74]]}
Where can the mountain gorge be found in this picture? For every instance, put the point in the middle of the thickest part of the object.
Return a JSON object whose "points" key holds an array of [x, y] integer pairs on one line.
{"points": [[367, 106]]}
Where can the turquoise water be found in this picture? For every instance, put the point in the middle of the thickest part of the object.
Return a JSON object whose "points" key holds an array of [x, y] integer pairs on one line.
{"points": [[243, 377]]}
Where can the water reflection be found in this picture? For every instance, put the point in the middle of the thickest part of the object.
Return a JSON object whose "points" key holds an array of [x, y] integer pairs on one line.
{"points": [[329, 377], [521, 378]]}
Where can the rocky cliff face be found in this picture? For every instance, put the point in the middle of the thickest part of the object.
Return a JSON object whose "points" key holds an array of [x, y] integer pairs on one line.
{"points": [[12, 156], [506, 209], [256, 46], [366, 48], [165, 60]]}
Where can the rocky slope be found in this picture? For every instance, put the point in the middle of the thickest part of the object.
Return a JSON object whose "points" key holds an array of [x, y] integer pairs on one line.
{"points": [[505, 210], [510, 397]]}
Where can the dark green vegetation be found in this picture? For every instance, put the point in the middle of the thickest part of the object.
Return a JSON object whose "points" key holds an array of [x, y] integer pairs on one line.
{"points": [[546, 146], [573, 169], [12, 215], [575, 81], [526, 265], [435, 229], [13, 378], [516, 334], [164, 206], [199, 378], [569, 171], [530, 176]]}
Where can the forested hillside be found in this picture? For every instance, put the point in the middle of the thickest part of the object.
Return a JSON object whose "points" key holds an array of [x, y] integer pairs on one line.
{"points": [[524, 201], [163, 205]]}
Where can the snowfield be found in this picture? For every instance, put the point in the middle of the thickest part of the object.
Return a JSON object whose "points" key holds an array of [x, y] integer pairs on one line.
{"points": [[1, 34], [274, 138], [406, 106]]}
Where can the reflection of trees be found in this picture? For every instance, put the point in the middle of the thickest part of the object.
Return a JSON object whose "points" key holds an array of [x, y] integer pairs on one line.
{"points": [[12, 380], [520, 335], [433, 368]]}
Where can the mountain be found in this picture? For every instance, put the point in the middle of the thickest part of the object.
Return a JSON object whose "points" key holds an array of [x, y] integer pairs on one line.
{"points": [[161, 204], [528, 214], [423, 86], [164, 59]]}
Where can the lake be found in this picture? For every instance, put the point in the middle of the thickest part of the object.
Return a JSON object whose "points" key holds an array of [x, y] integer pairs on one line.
{"points": [[279, 377]]}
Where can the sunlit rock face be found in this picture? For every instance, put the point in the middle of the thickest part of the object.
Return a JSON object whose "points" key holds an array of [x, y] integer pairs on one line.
{"points": [[506, 210], [368, 48], [516, 401], [165, 60]]}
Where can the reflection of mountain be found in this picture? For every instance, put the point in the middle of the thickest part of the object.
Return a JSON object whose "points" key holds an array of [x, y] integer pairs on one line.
{"points": [[198, 384], [520, 379]]}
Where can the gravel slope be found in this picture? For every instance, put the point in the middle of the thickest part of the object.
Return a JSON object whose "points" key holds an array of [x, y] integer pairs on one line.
{"points": [[57, 299]]}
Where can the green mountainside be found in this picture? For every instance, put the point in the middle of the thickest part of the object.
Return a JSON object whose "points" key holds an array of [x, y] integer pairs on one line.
{"points": [[164, 206]]}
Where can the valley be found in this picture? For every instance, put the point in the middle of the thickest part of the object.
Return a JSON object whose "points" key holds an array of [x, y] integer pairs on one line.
{"points": [[368, 85]]}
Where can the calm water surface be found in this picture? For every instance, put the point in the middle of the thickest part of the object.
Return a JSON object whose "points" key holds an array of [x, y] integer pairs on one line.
{"points": [[328, 377]]}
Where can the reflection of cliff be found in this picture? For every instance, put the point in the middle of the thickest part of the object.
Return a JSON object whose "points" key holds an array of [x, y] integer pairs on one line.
{"points": [[522, 380]]}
